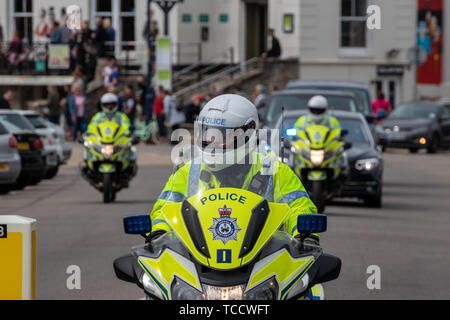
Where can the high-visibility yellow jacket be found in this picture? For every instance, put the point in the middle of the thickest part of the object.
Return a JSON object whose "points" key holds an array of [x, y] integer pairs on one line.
{"points": [[283, 186], [119, 117], [329, 121]]}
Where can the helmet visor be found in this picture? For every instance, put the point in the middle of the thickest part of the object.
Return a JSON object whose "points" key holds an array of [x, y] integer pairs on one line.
{"points": [[109, 106], [221, 138], [317, 111]]}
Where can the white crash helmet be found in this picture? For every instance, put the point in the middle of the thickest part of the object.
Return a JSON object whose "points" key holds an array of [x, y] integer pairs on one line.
{"points": [[226, 131], [318, 107], [109, 99]]}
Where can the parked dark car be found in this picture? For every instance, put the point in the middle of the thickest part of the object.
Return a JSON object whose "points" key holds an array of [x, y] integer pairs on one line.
{"points": [[365, 159], [360, 91], [298, 100], [30, 146], [419, 125]]}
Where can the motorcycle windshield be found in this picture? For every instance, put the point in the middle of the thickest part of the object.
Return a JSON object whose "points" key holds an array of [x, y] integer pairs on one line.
{"points": [[223, 217]]}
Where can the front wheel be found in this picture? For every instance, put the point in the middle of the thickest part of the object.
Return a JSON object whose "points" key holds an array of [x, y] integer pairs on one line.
{"points": [[108, 190], [318, 195], [375, 201], [434, 145]]}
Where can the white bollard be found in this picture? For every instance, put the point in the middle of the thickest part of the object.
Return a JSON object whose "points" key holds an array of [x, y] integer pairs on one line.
{"points": [[17, 258]]}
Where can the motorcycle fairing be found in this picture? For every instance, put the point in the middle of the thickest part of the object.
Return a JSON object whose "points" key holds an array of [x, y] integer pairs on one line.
{"points": [[232, 210], [269, 267], [166, 267]]}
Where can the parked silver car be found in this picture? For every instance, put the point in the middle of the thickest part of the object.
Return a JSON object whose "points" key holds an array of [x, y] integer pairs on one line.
{"points": [[52, 143], [65, 145], [10, 163], [49, 149]]}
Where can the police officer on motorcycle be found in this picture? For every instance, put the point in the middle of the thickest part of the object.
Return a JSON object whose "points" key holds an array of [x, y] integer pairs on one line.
{"points": [[110, 103], [229, 123], [318, 115]]}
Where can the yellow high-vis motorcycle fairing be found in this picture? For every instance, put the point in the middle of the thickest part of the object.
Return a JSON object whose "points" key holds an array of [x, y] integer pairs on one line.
{"points": [[227, 244], [110, 159], [319, 159]]}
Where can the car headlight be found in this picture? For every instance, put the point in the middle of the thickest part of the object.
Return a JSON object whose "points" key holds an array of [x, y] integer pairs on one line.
{"points": [[183, 291], [367, 164], [107, 151], [299, 287], [223, 293], [150, 287], [317, 157], [268, 290]]}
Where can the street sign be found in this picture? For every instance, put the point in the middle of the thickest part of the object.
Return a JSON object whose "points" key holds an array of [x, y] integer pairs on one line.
{"points": [[390, 70], [417, 56]]}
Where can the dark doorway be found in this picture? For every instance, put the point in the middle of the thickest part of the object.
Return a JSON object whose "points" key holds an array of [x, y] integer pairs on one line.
{"points": [[256, 27]]}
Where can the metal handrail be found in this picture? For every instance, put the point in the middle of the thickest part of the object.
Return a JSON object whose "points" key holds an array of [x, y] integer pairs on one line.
{"points": [[203, 62], [214, 77]]}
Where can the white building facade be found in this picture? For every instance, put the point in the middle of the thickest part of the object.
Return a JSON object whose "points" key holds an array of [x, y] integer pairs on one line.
{"points": [[329, 36]]}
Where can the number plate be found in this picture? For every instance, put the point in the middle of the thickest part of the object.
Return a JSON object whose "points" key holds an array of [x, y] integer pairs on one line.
{"points": [[397, 136], [3, 166], [23, 146], [3, 231]]}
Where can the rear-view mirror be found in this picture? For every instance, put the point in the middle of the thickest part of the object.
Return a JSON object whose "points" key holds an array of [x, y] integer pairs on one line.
{"points": [[329, 268], [348, 145], [135, 140], [125, 270]]}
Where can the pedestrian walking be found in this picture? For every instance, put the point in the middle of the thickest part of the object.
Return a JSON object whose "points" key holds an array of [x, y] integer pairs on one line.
{"points": [[381, 107], [78, 110], [129, 104], [175, 117], [275, 50], [6, 98], [54, 107], [158, 110]]}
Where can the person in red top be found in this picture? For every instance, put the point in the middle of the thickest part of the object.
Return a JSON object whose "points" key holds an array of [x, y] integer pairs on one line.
{"points": [[381, 107], [158, 110]]}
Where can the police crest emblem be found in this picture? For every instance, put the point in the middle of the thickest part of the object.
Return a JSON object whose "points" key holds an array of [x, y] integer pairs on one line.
{"points": [[225, 228]]}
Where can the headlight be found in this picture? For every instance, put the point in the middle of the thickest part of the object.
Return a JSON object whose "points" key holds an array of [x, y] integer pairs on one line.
{"points": [[366, 164], [224, 293], [150, 287], [317, 157], [107, 151], [87, 144], [183, 291], [299, 287], [268, 290]]}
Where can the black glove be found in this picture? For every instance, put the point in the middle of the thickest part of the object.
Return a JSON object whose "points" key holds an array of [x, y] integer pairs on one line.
{"points": [[154, 235], [308, 239]]}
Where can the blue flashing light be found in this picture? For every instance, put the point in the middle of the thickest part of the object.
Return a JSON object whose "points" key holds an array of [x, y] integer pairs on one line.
{"points": [[311, 223], [292, 132], [140, 224]]}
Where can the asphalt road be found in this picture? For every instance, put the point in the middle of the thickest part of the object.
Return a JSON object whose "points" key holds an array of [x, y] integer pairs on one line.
{"points": [[409, 239]]}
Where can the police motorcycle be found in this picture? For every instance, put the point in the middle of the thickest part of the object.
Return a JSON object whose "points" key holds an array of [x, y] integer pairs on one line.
{"points": [[317, 155], [110, 159], [226, 243]]}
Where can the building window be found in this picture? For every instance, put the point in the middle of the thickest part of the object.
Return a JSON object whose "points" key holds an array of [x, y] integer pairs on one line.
{"points": [[353, 23], [122, 14], [23, 19], [127, 24]]}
